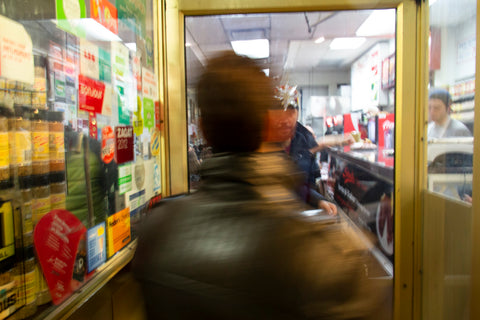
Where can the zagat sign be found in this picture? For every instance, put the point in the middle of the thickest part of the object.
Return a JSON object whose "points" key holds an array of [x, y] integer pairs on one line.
{"points": [[123, 144]]}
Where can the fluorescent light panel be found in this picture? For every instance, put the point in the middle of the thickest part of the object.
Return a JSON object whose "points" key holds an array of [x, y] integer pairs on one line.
{"points": [[346, 43], [255, 49], [378, 23], [320, 40]]}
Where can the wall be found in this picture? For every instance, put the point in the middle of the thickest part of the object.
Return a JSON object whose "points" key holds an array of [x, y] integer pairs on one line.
{"points": [[455, 67]]}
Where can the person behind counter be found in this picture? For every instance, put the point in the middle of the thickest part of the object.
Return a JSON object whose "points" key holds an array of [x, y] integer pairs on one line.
{"points": [[441, 124], [238, 248], [302, 147]]}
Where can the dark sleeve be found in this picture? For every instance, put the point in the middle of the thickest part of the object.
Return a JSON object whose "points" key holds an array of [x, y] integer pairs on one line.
{"points": [[331, 276]]}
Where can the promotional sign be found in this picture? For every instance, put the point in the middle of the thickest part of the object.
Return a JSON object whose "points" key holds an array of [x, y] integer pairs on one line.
{"points": [[120, 61], [105, 66], [107, 101], [89, 59], [90, 94], [123, 113], [104, 13], [123, 144], [56, 237], [16, 58], [124, 178], [96, 247], [137, 72], [149, 84], [155, 142], [138, 118], [148, 113], [118, 231], [108, 144], [132, 13], [386, 130]]}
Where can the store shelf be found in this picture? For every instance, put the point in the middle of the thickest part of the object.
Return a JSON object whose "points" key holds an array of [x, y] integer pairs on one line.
{"points": [[103, 274]]}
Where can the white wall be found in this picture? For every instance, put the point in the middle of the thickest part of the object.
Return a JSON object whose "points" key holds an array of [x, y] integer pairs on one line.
{"points": [[455, 65]]}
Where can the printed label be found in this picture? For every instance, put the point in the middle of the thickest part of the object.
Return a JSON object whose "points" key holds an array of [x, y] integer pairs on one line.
{"points": [[41, 143]]}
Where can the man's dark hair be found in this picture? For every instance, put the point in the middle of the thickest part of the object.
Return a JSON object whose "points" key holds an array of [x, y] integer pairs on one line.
{"points": [[233, 97], [441, 94]]}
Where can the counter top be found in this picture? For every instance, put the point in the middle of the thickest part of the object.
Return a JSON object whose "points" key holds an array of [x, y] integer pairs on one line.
{"points": [[379, 162]]}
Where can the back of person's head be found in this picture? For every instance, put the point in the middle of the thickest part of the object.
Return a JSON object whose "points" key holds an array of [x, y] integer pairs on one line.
{"points": [[442, 94], [233, 97]]}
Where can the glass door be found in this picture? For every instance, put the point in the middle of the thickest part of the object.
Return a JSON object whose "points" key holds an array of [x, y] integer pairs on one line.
{"points": [[449, 190]]}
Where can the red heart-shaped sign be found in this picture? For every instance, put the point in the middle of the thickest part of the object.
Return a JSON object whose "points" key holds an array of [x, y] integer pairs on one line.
{"points": [[56, 238]]}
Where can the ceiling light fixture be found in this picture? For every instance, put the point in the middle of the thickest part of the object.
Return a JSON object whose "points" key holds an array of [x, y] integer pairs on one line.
{"points": [[346, 43], [319, 40], [378, 23], [255, 49]]}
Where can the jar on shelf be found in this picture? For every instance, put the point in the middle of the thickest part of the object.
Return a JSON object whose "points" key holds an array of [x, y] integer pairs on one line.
{"points": [[20, 139], [41, 197], [25, 220], [25, 281], [57, 141], [7, 282], [6, 114], [8, 289], [40, 136], [58, 189]]}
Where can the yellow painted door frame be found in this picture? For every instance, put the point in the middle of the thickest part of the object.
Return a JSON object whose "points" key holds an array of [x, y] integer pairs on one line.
{"points": [[408, 103]]}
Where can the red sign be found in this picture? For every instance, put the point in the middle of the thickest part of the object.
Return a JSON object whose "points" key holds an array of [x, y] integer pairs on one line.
{"points": [[386, 130], [57, 236], [108, 144], [90, 94], [105, 13], [123, 144]]}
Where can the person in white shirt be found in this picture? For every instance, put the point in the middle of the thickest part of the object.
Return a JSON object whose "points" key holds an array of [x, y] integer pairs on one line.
{"points": [[441, 124]]}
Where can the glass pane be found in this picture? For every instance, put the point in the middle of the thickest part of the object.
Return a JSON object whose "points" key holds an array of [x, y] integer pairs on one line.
{"points": [[338, 69], [78, 91], [447, 201]]}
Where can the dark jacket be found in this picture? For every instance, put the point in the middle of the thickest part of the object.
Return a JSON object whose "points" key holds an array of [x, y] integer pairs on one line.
{"points": [[299, 151], [240, 249]]}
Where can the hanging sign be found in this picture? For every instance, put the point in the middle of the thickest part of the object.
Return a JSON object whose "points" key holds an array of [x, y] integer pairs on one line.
{"points": [[16, 58], [90, 94], [56, 237]]}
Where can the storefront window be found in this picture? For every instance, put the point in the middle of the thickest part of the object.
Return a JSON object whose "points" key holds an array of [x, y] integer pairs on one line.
{"points": [[337, 70], [79, 139], [447, 202]]}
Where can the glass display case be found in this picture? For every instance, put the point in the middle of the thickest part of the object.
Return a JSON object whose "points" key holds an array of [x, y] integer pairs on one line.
{"points": [[79, 138]]}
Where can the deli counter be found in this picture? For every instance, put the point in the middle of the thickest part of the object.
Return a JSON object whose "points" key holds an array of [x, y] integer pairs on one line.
{"points": [[361, 182]]}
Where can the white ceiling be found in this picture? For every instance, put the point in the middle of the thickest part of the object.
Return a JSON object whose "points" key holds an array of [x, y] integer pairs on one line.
{"points": [[292, 35]]}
